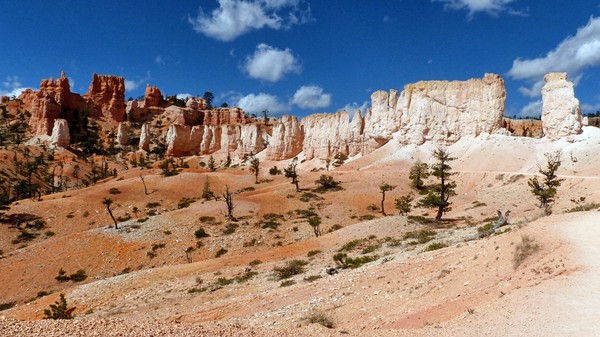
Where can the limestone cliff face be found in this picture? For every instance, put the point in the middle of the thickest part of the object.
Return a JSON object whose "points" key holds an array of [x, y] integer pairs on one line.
{"points": [[437, 111], [561, 113], [286, 141], [107, 97], [326, 135], [60, 134]]}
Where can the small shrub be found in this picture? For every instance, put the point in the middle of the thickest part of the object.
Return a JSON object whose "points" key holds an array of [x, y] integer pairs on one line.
{"points": [[42, 293], [37, 224], [221, 252], [274, 171], [351, 245], [366, 217], [308, 196], [167, 232], [78, 276], [373, 208], [201, 233], [62, 276], [421, 220], [304, 213], [151, 212], [196, 290], [185, 202], [321, 318], [254, 263], [370, 248], [230, 228], [422, 236], [435, 246], [291, 268], [207, 219], [287, 283], [327, 183], [223, 281], [344, 261], [246, 276], [270, 225], [48, 233], [6, 306], [313, 253], [524, 249], [152, 204], [59, 310], [70, 216], [114, 191], [335, 228], [312, 278]]}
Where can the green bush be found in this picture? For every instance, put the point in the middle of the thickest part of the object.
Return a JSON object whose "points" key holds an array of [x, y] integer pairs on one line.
{"points": [[230, 228], [291, 268], [435, 246], [221, 252], [201, 233]]}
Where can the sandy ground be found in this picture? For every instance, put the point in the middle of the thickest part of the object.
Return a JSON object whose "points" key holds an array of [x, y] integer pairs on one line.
{"points": [[470, 288]]}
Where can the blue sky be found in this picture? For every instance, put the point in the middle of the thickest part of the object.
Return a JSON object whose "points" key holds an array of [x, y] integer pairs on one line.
{"points": [[303, 56]]}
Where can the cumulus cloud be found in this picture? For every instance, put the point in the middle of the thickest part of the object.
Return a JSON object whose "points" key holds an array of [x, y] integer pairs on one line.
{"points": [[352, 107], [271, 64], [12, 86], [257, 103], [311, 97], [492, 7], [234, 18], [131, 85], [590, 108], [572, 55], [184, 96], [533, 109]]}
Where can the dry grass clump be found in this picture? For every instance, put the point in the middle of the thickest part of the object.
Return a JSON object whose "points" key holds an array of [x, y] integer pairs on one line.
{"points": [[524, 249]]}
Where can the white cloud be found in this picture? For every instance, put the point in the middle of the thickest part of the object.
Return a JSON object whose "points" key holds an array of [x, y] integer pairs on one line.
{"points": [[160, 60], [533, 109], [311, 97], [271, 64], [234, 18], [587, 108], [184, 96], [492, 7], [572, 55], [131, 85], [12, 87], [257, 103], [352, 107], [534, 91]]}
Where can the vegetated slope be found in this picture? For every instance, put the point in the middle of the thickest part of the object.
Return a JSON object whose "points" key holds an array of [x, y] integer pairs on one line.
{"points": [[405, 288]]}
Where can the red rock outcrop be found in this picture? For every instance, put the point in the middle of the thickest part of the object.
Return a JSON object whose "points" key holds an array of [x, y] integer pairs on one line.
{"points": [[107, 97], [47, 103], [523, 127], [152, 97]]}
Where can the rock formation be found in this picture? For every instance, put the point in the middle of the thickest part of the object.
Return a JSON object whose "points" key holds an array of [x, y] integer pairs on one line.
{"points": [[47, 103], [326, 135], [523, 127], [122, 134], [251, 140], [60, 134], [561, 113], [152, 97], [107, 97], [438, 111], [286, 141], [145, 137], [183, 140]]}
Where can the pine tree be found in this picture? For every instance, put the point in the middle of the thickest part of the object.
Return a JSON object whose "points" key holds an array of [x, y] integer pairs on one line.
{"points": [[59, 310], [290, 172], [545, 190], [439, 194], [255, 168], [418, 172], [384, 187]]}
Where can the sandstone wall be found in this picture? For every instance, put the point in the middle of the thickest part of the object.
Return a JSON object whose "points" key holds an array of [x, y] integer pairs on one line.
{"points": [[287, 139], [326, 135]]}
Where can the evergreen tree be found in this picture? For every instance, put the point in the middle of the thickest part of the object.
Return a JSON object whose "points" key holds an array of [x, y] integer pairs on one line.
{"points": [[545, 190], [255, 167], [59, 310], [418, 172], [290, 172], [439, 194]]}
